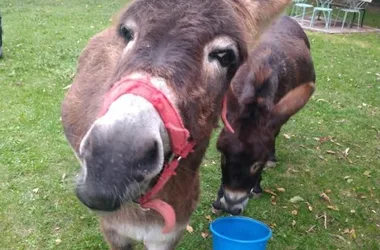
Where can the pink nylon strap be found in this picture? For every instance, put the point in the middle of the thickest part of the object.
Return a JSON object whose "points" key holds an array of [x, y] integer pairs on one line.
{"points": [[224, 115]]}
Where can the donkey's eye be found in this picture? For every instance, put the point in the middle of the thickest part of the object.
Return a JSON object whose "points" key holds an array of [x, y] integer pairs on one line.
{"points": [[126, 33], [224, 57], [255, 168]]}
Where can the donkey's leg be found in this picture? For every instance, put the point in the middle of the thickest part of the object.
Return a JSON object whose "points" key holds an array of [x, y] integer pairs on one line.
{"points": [[257, 190], [117, 241], [272, 161], [166, 241]]}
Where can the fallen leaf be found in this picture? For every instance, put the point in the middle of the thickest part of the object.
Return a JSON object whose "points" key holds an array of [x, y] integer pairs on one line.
{"points": [[330, 152], [294, 212], [324, 139], [362, 196], [294, 223], [273, 200], [333, 207], [336, 143], [270, 192], [325, 197], [322, 100], [35, 190], [367, 173], [327, 191], [349, 180], [293, 170], [309, 206], [58, 241], [57, 228], [339, 237], [67, 87], [346, 231], [352, 211], [345, 152], [353, 233], [296, 199], [311, 229], [281, 190], [322, 158], [204, 235], [347, 177], [189, 229], [208, 217], [273, 225], [287, 136]]}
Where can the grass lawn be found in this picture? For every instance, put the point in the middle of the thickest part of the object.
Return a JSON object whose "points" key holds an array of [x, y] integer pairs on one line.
{"points": [[332, 146]]}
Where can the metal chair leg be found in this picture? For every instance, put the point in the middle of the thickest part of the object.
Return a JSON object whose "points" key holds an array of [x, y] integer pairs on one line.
{"points": [[303, 15], [312, 19], [344, 19], [359, 20], [336, 19], [329, 20], [291, 13]]}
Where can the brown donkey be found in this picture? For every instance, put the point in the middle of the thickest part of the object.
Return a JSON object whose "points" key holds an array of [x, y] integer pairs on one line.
{"points": [[276, 81], [147, 94]]}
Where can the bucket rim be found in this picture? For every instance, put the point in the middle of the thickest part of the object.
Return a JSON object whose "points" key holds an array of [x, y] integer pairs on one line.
{"points": [[245, 219]]}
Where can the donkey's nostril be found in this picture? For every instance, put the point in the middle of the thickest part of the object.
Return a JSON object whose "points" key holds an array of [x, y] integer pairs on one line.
{"points": [[217, 205], [152, 152]]}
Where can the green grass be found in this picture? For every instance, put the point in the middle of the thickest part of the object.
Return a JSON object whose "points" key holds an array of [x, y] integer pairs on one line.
{"points": [[42, 41], [372, 17]]}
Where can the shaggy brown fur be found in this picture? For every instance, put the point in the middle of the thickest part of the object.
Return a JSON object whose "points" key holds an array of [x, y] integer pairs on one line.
{"points": [[171, 37]]}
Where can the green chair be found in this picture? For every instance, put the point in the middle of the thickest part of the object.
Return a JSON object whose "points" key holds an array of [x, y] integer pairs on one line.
{"points": [[300, 4], [355, 7], [324, 7], [294, 5]]}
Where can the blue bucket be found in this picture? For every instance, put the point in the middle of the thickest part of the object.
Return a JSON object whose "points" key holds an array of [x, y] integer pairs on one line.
{"points": [[239, 233]]}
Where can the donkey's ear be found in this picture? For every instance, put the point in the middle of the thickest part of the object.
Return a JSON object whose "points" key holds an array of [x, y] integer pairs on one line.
{"points": [[259, 14], [247, 95], [290, 104], [255, 82]]}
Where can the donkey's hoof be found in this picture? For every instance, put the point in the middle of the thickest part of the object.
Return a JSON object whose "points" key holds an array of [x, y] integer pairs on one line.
{"points": [[270, 164], [254, 195]]}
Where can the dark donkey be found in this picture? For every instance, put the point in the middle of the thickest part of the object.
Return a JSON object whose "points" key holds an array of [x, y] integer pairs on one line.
{"points": [[276, 81], [146, 91]]}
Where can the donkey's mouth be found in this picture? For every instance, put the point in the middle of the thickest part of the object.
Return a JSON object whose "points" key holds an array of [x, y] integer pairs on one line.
{"points": [[230, 202]]}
